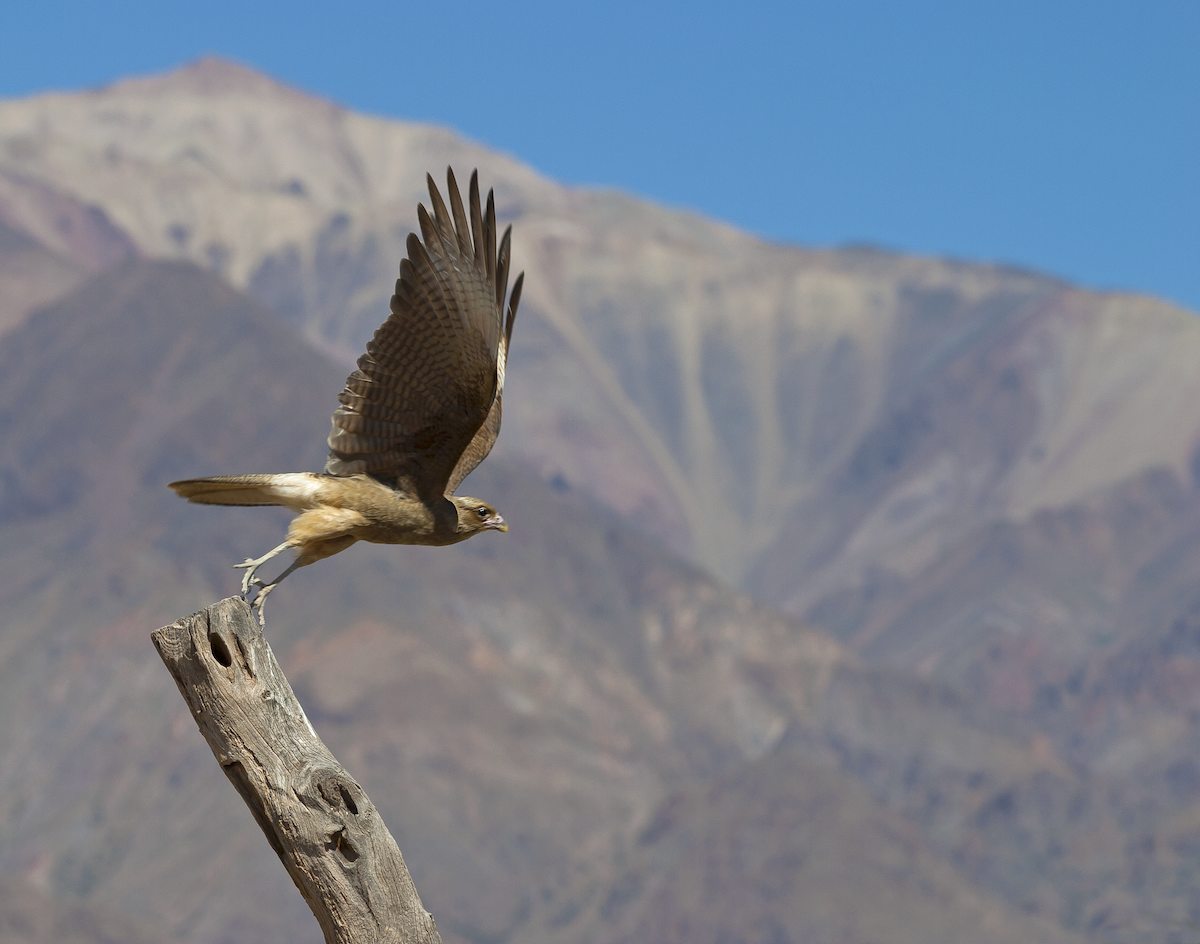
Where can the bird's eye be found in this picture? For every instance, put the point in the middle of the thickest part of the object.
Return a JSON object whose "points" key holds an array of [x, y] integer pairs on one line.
{"points": [[482, 511]]}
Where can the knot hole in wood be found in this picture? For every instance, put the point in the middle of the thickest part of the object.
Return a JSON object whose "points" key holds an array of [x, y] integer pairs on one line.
{"points": [[220, 649], [341, 843], [338, 791]]}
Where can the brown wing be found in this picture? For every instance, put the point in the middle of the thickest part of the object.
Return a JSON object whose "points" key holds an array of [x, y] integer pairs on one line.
{"points": [[430, 376], [482, 444]]}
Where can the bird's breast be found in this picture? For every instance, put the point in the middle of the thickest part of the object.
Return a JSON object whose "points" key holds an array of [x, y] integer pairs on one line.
{"points": [[403, 520]]}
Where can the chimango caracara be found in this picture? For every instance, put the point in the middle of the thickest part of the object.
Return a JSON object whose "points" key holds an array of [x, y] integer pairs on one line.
{"points": [[421, 411]]}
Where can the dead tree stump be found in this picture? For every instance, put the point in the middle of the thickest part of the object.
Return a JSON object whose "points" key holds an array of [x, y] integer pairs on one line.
{"points": [[316, 817]]}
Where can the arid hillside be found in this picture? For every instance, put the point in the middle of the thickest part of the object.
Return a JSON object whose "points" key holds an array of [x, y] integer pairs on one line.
{"points": [[694, 379], [524, 708], [829, 569]]}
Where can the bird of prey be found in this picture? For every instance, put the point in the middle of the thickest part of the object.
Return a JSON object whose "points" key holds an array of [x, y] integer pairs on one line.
{"points": [[420, 412]]}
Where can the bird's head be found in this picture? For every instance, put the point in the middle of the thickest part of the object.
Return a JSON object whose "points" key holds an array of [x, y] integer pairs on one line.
{"points": [[474, 515]]}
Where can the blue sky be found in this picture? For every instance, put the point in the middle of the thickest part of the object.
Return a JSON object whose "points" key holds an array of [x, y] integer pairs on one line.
{"points": [[1056, 135]]}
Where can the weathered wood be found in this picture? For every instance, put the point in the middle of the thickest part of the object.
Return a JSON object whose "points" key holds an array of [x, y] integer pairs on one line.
{"points": [[315, 816]]}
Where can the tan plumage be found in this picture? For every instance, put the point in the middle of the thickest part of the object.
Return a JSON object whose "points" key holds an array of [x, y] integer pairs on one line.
{"points": [[419, 414]]}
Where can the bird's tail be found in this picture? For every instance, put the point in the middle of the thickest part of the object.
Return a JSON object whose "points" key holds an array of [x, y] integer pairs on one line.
{"points": [[245, 489]]}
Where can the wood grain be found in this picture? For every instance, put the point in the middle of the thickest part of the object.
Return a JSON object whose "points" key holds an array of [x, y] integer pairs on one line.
{"points": [[318, 820]]}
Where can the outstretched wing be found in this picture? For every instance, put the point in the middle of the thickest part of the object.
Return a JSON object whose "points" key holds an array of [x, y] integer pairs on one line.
{"points": [[431, 375], [482, 444]]}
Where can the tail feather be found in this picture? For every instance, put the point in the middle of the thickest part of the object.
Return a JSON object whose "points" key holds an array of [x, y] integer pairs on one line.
{"points": [[228, 490]]}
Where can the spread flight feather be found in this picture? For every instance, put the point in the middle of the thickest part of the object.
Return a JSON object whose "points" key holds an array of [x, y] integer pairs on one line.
{"points": [[422, 410]]}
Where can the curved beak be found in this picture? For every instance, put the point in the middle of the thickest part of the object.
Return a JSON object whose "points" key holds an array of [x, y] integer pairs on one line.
{"points": [[497, 523]]}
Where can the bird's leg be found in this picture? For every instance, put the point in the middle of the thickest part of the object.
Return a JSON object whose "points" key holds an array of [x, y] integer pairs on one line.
{"points": [[266, 588], [251, 566]]}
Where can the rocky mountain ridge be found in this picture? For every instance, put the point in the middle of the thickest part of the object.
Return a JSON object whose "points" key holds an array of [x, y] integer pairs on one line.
{"points": [[524, 713], [980, 485], [688, 375]]}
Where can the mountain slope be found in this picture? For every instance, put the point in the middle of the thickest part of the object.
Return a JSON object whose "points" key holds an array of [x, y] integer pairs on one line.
{"points": [[30, 276], [517, 708], [785, 851], [713, 388], [28, 916], [983, 480]]}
